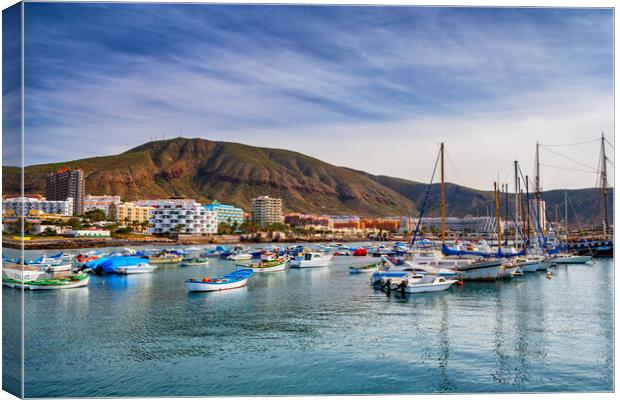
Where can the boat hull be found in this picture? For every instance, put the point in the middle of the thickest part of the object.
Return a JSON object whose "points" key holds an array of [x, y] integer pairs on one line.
{"points": [[429, 287], [134, 271], [30, 286], [483, 271], [197, 286], [273, 268], [573, 260]]}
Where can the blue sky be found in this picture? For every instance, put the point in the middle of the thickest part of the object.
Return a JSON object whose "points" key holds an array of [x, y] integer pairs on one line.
{"points": [[372, 88]]}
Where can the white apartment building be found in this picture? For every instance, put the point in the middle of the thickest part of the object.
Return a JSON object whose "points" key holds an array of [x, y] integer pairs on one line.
{"points": [[266, 210], [188, 216], [106, 203], [24, 205]]}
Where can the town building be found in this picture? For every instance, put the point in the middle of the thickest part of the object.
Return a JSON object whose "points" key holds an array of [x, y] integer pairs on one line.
{"points": [[89, 233], [128, 213], [226, 213], [67, 183], [466, 225], [308, 221], [266, 210], [104, 203], [183, 216], [27, 205], [345, 222], [381, 224]]}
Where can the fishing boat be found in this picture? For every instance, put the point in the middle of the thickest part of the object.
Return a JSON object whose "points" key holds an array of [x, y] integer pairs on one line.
{"points": [[82, 259], [239, 257], [364, 268], [267, 266], [74, 281], [412, 283], [165, 258], [63, 256], [232, 280], [311, 260], [136, 269], [59, 268], [194, 261], [16, 273]]}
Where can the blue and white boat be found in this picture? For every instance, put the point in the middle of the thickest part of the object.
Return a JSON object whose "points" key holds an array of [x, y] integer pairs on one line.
{"points": [[233, 280]]}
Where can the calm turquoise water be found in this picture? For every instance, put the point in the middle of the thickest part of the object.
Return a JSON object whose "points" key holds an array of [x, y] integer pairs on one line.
{"points": [[320, 331]]}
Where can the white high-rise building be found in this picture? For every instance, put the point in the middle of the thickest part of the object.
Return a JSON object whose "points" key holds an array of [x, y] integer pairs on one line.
{"points": [[182, 216], [24, 205]]}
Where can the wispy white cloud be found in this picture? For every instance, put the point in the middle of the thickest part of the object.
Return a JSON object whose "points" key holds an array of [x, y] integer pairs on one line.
{"points": [[373, 89]]}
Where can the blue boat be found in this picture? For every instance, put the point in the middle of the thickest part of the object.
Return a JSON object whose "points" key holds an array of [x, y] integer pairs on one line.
{"points": [[109, 265], [233, 280]]}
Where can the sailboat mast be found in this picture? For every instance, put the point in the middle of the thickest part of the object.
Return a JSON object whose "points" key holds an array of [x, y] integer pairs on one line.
{"points": [[498, 216], [516, 204], [566, 213], [527, 202], [443, 200], [537, 179], [604, 188]]}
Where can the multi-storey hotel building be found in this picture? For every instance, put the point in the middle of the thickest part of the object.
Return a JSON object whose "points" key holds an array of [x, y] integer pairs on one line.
{"points": [[180, 216], [266, 210]]}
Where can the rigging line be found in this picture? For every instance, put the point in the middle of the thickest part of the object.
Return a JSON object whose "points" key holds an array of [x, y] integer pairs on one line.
{"points": [[570, 159], [570, 169], [571, 144], [453, 165], [428, 191], [612, 146]]}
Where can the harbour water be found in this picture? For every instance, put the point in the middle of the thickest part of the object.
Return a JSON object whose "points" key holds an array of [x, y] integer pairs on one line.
{"points": [[318, 331]]}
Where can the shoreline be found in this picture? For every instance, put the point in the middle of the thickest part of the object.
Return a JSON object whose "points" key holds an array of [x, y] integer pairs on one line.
{"points": [[85, 243]]}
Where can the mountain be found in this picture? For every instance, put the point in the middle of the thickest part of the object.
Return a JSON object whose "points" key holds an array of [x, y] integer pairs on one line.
{"points": [[234, 173]]}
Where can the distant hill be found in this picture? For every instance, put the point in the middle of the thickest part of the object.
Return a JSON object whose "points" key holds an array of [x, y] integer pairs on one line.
{"points": [[234, 173]]}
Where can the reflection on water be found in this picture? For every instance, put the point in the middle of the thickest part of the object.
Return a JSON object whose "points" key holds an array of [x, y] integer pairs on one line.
{"points": [[311, 331]]}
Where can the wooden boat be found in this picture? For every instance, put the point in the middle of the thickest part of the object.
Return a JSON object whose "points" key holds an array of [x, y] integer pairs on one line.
{"points": [[165, 258], [232, 280], [364, 268], [74, 281], [194, 261], [16, 273], [267, 266], [136, 269]]}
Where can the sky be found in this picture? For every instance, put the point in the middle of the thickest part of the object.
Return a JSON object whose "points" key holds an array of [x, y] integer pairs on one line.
{"points": [[371, 88]]}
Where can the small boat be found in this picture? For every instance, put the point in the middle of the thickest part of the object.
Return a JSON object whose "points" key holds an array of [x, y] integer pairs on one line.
{"points": [[364, 268], [63, 256], [232, 280], [136, 269], [59, 268], [429, 283], [74, 281], [194, 261], [83, 258], [165, 258], [21, 275], [311, 260], [239, 256], [411, 283], [267, 266]]}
